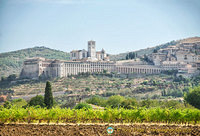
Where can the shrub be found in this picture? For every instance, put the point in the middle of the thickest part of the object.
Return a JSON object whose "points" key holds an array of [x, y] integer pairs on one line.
{"points": [[37, 100], [115, 101], [83, 105], [129, 103], [87, 89], [19, 102], [96, 100]]}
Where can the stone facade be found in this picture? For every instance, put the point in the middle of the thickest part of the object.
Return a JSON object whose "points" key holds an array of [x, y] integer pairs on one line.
{"points": [[35, 67], [184, 57], [91, 54], [184, 52]]}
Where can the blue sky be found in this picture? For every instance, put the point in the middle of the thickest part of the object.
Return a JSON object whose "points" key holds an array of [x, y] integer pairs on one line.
{"points": [[117, 25]]}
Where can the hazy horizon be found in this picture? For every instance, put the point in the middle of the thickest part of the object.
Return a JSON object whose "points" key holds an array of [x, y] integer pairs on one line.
{"points": [[117, 26]]}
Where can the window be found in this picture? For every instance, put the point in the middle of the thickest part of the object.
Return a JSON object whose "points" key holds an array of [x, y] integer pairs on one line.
{"points": [[185, 57]]}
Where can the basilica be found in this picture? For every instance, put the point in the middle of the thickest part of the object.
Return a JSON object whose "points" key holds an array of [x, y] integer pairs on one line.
{"points": [[91, 54], [183, 57]]}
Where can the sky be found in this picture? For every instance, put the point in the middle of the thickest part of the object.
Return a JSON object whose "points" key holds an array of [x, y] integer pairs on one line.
{"points": [[118, 26]]}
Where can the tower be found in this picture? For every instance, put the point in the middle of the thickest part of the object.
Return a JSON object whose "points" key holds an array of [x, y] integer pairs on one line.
{"points": [[92, 49]]}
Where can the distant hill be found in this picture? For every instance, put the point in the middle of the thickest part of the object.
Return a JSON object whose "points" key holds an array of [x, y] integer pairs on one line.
{"points": [[147, 51], [12, 62]]}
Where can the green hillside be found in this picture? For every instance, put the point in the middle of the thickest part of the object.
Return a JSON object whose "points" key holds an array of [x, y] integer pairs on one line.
{"points": [[12, 62]]}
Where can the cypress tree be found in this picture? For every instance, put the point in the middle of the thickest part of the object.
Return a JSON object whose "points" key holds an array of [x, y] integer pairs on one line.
{"points": [[48, 96], [127, 57]]}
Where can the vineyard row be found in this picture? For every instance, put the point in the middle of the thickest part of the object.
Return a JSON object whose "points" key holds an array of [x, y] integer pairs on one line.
{"points": [[141, 115]]}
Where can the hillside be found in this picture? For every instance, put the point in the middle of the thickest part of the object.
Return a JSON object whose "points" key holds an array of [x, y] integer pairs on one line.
{"points": [[12, 62], [147, 51], [98, 85], [153, 86]]}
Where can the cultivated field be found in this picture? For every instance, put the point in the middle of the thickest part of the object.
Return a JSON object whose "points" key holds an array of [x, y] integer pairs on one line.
{"points": [[97, 130]]}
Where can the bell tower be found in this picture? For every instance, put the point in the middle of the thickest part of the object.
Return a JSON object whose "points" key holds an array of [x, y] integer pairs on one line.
{"points": [[92, 49]]}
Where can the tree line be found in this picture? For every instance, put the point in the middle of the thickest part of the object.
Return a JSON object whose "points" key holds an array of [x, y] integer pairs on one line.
{"points": [[131, 55]]}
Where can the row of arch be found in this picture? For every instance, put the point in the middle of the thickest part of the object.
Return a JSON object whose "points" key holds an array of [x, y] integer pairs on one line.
{"points": [[127, 70]]}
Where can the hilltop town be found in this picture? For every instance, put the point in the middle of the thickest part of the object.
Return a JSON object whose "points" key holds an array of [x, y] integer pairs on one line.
{"points": [[183, 58]]}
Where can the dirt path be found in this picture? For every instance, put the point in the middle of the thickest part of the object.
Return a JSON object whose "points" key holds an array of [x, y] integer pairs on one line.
{"points": [[95, 130]]}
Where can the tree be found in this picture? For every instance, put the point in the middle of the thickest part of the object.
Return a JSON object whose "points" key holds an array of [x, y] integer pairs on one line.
{"points": [[12, 77], [83, 105], [148, 103], [164, 93], [154, 83], [145, 82], [129, 103], [145, 58], [87, 89], [105, 71], [155, 51], [96, 100], [170, 72], [115, 101], [37, 100], [193, 97], [48, 96], [127, 57], [181, 79], [131, 55], [3, 78]]}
